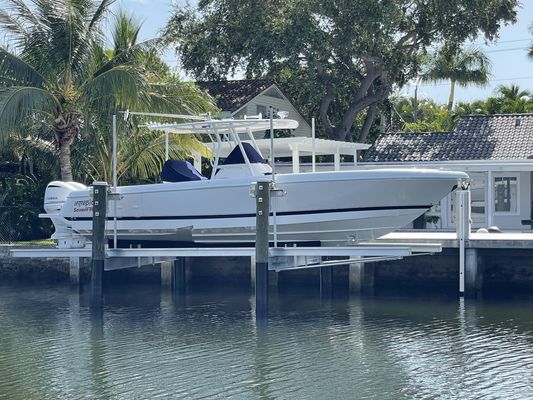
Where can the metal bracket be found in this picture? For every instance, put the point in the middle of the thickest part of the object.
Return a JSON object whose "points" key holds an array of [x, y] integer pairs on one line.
{"points": [[114, 196], [277, 192], [274, 192]]}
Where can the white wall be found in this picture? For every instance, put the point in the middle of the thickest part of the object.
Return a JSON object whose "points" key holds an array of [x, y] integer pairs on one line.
{"points": [[504, 221]]}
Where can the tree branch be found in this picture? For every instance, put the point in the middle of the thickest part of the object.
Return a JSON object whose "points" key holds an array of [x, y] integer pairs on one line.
{"points": [[324, 107], [369, 120]]}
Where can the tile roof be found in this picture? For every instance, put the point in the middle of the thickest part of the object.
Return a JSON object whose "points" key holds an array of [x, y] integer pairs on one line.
{"points": [[476, 137], [232, 95]]}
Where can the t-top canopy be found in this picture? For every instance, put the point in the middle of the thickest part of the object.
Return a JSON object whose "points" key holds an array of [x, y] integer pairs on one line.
{"points": [[224, 126]]}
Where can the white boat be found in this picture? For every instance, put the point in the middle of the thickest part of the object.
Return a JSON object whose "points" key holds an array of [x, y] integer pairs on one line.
{"points": [[341, 207]]}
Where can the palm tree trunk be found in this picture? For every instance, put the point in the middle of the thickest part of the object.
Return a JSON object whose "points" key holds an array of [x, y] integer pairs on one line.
{"points": [[452, 95], [64, 161]]}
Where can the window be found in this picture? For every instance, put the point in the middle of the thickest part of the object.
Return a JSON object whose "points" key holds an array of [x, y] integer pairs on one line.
{"points": [[478, 188], [263, 110], [506, 194]]}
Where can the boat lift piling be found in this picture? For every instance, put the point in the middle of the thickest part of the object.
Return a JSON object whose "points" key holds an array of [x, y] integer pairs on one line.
{"points": [[98, 242], [262, 202], [326, 283], [468, 273], [179, 283]]}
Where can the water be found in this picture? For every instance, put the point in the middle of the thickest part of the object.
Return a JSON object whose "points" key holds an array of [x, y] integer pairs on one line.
{"points": [[208, 346]]}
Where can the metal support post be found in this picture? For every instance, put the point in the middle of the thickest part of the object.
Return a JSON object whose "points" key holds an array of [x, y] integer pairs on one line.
{"points": [[463, 232], [98, 242], [262, 202]]}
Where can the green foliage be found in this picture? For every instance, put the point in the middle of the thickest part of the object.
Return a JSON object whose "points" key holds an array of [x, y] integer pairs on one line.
{"points": [[58, 71], [428, 116], [508, 100], [345, 56], [19, 216], [433, 117]]}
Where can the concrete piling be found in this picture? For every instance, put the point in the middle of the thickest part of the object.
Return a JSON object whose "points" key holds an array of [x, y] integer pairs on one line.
{"points": [[472, 273], [179, 278], [74, 271], [326, 282]]}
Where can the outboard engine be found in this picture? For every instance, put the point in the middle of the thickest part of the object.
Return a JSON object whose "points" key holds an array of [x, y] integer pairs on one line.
{"points": [[56, 194], [54, 197]]}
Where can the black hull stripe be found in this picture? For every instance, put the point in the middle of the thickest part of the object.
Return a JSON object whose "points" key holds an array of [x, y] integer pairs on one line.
{"points": [[285, 213]]}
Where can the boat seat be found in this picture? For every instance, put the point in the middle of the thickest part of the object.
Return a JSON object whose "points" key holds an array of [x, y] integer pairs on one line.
{"points": [[180, 171]]}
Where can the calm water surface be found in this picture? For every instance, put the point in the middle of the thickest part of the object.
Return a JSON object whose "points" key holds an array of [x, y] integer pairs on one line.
{"points": [[208, 346]]}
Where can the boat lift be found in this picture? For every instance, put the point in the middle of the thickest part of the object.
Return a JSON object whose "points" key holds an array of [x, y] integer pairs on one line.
{"points": [[274, 258], [280, 258]]}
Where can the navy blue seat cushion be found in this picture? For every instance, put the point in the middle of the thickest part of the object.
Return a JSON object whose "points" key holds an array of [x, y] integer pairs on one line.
{"points": [[180, 171], [236, 157]]}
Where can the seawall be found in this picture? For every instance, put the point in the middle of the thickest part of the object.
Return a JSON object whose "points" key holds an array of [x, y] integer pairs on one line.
{"points": [[501, 270]]}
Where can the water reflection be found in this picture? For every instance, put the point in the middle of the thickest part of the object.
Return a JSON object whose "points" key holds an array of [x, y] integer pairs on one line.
{"points": [[207, 344]]}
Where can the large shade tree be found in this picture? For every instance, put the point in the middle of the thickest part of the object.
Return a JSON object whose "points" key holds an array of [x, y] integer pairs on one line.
{"points": [[463, 67], [56, 70], [351, 53]]}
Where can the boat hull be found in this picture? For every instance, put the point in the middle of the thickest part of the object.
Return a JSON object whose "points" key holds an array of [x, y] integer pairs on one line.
{"points": [[333, 207]]}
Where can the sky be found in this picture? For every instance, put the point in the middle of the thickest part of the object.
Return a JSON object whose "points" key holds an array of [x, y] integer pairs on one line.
{"points": [[508, 54]]}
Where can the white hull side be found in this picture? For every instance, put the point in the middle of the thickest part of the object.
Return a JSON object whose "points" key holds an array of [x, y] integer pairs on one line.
{"points": [[348, 206]]}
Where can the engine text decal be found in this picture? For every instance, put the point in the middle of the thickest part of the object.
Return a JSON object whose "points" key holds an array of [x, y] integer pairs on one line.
{"points": [[83, 206]]}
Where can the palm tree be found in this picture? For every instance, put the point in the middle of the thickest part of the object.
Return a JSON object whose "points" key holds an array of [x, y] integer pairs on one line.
{"points": [[461, 67], [56, 70], [514, 100], [512, 92], [141, 151]]}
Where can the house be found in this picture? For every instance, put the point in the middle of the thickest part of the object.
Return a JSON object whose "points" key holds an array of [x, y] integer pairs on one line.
{"points": [[496, 151], [240, 98]]}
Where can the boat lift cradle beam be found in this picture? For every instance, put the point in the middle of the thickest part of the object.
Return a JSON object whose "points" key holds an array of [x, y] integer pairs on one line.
{"points": [[368, 252]]}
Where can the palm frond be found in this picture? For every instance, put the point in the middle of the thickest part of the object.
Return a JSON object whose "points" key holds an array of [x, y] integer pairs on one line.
{"points": [[13, 27], [125, 31], [464, 66], [100, 12], [127, 56], [19, 9], [124, 85], [180, 98], [18, 70], [18, 103]]}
